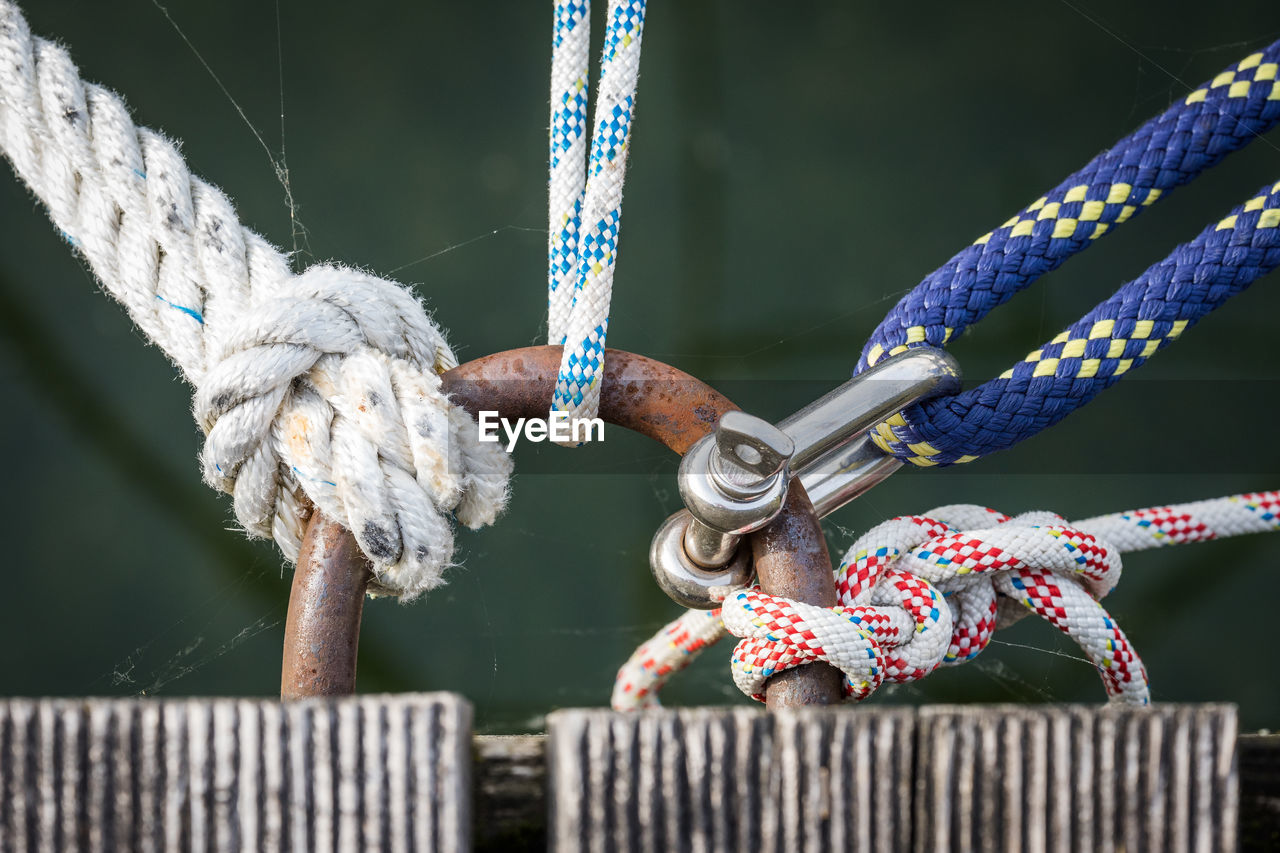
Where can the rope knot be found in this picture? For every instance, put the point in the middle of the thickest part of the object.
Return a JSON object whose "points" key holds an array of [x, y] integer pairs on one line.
{"points": [[329, 387], [919, 592], [322, 385], [957, 574]]}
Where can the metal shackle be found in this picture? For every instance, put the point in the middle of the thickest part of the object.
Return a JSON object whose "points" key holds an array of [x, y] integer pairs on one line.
{"points": [[788, 555], [735, 480]]}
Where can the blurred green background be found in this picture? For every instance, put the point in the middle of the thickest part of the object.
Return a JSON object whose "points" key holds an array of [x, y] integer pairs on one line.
{"points": [[795, 168]]}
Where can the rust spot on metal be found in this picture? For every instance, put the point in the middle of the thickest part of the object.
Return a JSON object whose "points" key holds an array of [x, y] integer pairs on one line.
{"points": [[643, 395], [709, 416]]}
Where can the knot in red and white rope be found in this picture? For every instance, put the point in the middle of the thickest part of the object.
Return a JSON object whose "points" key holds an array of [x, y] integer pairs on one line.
{"points": [[919, 592]]}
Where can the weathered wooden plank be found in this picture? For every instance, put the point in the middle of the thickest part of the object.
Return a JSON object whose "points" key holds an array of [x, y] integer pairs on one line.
{"points": [[1259, 767], [730, 779], [949, 778], [1076, 778], [846, 779], [391, 773], [368, 773], [510, 790]]}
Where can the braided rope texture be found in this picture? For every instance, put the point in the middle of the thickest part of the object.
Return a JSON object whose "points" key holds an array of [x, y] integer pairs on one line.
{"points": [[586, 216], [570, 79], [1115, 337], [321, 386], [1119, 334], [920, 592]]}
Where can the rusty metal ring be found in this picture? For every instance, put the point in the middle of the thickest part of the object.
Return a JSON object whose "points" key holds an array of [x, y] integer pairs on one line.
{"points": [[325, 604]]}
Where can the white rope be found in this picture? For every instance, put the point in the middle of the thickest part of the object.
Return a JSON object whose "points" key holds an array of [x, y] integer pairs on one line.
{"points": [[322, 384], [586, 199], [570, 83], [919, 592]]}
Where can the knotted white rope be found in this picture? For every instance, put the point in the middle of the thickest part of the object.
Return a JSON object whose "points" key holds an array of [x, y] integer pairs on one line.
{"points": [[321, 385], [585, 199], [920, 592]]}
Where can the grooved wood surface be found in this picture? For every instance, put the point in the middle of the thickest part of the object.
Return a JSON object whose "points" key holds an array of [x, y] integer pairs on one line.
{"points": [[1076, 778], [877, 779], [368, 773], [395, 773], [730, 779]]}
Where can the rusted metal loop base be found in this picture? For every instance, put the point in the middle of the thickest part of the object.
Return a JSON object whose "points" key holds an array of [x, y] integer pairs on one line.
{"points": [[647, 396]]}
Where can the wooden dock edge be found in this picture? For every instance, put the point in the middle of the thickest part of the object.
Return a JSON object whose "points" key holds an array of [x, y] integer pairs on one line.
{"points": [[404, 772]]}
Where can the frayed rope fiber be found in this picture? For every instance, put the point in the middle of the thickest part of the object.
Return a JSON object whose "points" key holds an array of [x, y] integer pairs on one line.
{"points": [[321, 386], [1120, 334]]}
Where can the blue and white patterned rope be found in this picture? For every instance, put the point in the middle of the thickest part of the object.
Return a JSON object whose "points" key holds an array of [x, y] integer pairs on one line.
{"points": [[570, 76], [586, 198]]}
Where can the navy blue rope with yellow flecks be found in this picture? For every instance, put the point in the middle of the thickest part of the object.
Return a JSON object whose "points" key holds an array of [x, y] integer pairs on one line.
{"points": [[1119, 334]]}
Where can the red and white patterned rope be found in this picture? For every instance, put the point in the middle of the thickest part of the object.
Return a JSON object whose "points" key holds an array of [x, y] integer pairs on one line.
{"points": [[919, 592]]}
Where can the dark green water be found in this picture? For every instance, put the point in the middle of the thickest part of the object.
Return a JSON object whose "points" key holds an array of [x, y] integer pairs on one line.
{"points": [[795, 167]]}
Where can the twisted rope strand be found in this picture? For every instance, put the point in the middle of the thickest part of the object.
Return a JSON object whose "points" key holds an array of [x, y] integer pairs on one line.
{"points": [[919, 592], [320, 386], [1217, 118]]}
